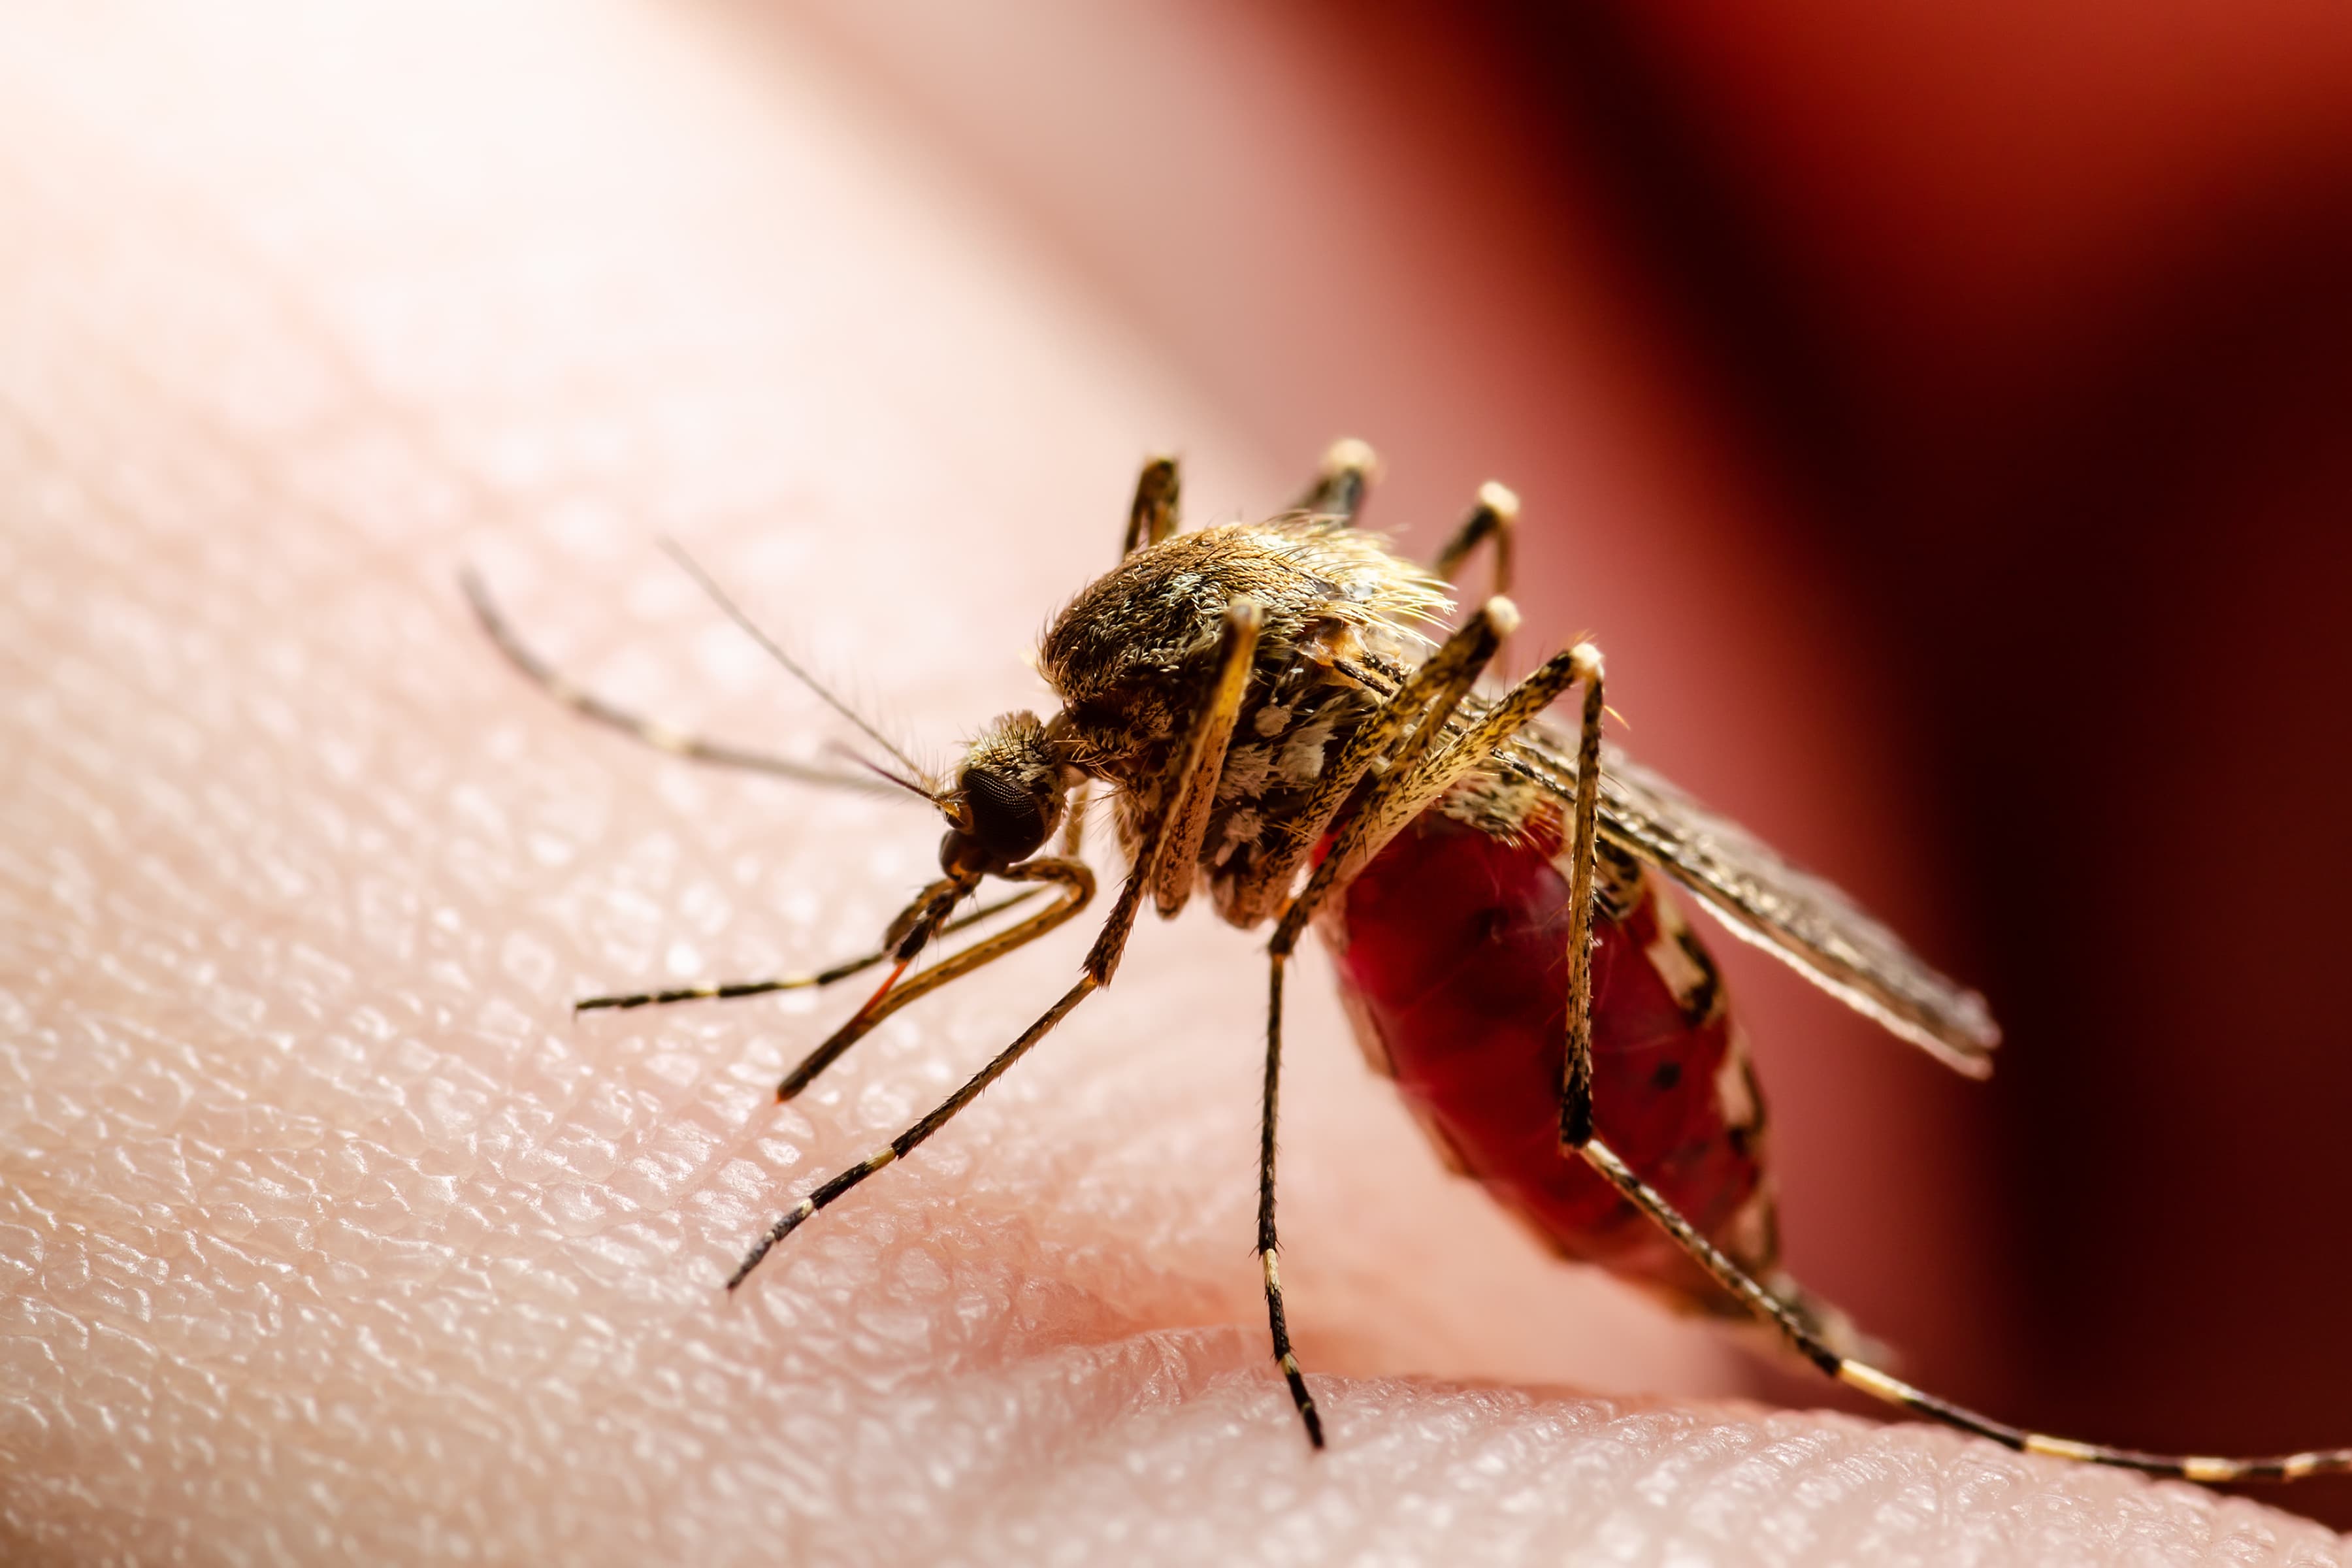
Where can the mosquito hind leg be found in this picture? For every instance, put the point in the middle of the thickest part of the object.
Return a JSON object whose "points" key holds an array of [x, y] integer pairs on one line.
{"points": [[1802, 1320], [1857, 1373], [1402, 792]]}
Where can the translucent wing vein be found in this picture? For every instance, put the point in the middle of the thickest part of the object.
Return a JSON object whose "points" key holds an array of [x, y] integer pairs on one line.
{"points": [[1801, 919]]}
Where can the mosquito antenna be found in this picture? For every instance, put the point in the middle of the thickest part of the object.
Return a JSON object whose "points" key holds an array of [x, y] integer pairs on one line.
{"points": [[910, 785], [735, 613]]}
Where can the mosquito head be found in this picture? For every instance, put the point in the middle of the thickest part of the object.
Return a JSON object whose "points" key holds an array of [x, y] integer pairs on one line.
{"points": [[1008, 798]]}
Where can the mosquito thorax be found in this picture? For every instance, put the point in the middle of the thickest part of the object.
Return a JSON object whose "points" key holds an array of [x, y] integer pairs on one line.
{"points": [[1131, 654]]}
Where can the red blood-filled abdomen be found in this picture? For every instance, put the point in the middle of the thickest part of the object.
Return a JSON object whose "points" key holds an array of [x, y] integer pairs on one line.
{"points": [[1451, 947]]}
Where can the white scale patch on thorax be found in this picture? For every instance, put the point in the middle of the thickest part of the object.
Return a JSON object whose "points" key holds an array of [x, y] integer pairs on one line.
{"points": [[1242, 827], [1246, 769], [1301, 759]]}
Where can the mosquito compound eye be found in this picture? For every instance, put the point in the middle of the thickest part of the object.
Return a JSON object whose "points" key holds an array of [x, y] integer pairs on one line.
{"points": [[1008, 818]]}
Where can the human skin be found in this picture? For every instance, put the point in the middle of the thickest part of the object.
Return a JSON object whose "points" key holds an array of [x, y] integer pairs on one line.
{"points": [[331, 1233]]}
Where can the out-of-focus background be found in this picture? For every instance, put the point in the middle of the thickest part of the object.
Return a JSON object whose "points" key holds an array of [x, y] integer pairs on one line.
{"points": [[1968, 385]]}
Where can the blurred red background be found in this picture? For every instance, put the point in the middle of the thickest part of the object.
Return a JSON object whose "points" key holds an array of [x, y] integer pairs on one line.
{"points": [[1956, 398]]}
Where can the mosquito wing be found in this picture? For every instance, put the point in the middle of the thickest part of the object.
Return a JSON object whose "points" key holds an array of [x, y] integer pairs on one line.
{"points": [[1804, 920]]}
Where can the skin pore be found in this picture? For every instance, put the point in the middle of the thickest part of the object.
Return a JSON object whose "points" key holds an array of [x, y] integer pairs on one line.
{"points": [[331, 1233]]}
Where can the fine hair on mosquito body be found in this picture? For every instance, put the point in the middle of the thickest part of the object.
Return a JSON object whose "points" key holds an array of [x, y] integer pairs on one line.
{"points": [[1283, 723]]}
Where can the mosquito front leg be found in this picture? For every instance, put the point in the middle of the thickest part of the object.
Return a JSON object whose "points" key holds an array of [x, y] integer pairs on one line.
{"points": [[1184, 820], [1191, 770], [1153, 515], [1236, 651], [912, 1138], [1337, 490], [1076, 881], [734, 990]]}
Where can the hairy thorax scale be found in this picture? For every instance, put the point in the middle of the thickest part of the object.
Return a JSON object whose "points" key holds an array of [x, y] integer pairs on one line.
{"points": [[1130, 655]]}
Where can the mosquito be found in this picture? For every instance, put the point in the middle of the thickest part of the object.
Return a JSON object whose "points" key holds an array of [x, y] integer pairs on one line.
{"points": [[1279, 730]]}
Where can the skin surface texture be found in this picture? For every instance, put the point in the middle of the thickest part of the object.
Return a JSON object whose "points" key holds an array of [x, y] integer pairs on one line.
{"points": [[330, 1234]]}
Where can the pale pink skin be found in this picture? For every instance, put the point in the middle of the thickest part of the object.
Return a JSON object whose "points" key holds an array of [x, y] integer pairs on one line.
{"points": [[329, 1232]]}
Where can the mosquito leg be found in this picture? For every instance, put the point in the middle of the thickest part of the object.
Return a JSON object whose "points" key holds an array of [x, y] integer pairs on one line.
{"points": [[1410, 721], [1338, 490], [1419, 772], [786, 983], [658, 735], [1576, 1136], [1267, 1247], [1236, 651], [1404, 792], [1184, 818], [1880, 1385], [1076, 884], [1152, 516], [1428, 772], [1576, 1067], [912, 1138], [1493, 520], [732, 991]]}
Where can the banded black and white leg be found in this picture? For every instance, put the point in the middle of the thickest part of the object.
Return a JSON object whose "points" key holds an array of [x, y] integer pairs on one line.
{"points": [[1426, 754], [1163, 864], [739, 989], [1792, 1317], [1854, 1372], [1074, 878]]}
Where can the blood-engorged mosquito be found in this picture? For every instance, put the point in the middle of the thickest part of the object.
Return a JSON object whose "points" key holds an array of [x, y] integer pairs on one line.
{"points": [[1263, 708]]}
